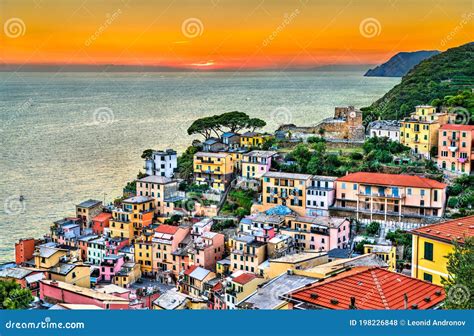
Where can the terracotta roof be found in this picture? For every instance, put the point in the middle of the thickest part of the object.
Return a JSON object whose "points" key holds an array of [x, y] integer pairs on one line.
{"points": [[102, 217], [392, 180], [168, 229], [457, 127], [244, 278], [374, 288], [456, 229], [190, 270]]}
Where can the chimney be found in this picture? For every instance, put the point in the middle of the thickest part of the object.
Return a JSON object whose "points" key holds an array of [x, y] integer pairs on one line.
{"points": [[353, 303], [405, 300]]}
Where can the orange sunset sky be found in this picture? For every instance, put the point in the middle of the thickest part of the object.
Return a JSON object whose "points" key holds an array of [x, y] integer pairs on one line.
{"points": [[219, 34]]}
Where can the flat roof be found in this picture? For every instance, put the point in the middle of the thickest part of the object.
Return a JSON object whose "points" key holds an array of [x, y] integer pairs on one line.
{"points": [[15, 272], [284, 175], [137, 199], [89, 203], [156, 179], [85, 291], [209, 154], [268, 296], [298, 257], [170, 299], [261, 153]]}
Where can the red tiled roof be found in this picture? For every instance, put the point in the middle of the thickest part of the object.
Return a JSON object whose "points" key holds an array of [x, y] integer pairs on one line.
{"points": [[456, 229], [244, 278], [168, 229], [457, 127], [103, 216], [374, 288], [392, 180], [190, 269]]}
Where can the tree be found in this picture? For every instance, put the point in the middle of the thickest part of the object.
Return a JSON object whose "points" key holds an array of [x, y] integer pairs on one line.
{"points": [[459, 285], [147, 154], [373, 228], [255, 123], [12, 296]]}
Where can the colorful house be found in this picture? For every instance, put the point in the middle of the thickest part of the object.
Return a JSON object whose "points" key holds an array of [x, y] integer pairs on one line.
{"points": [[254, 139], [110, 267], [62, 292], [389, 197], [75, 274], [433, 243], [128, 274], [287, 189], [134, 214], [240, 287], [165, 241], [160, 188], [24, 250], [213, 169], [161, 163], [320, 195], [456, 148], [317, 233], [25, 277], [88, 210], [193, 279], [387, 253], [207, 249], [256, 163], [420, 130], [246, 253], [144, 255], [100, 222]]}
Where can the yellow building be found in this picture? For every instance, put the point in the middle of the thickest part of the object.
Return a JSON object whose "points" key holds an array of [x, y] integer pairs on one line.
{"points": [[432, 244], [47, 257], [286, 189], [420, 130], [193, 280], [293, 262], [253, 139], [144, 255], [246, 254], [385, 252], [75, 274], [129, 274], [134, 214], [241, 287], [214, 169]]}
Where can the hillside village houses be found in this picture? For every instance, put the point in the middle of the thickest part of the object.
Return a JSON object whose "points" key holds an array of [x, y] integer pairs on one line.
{"points": [[164, 248]]}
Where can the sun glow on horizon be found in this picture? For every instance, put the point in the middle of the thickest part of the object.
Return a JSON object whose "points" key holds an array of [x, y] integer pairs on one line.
{"points": [[218, 35]]}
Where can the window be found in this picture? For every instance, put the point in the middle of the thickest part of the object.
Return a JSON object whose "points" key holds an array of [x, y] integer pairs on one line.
{"points": [[427, 277], [428, 255]]}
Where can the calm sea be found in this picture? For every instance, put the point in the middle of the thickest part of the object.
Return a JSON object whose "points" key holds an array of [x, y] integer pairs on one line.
{"points": [[72, 136]]}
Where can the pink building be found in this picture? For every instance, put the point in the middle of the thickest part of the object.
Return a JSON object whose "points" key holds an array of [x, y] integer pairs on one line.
{"points": [[109, 267], [456, 148], [207, 250], [166, 240], [61, 292], [256, 163], [317, 233], [100, 222]]}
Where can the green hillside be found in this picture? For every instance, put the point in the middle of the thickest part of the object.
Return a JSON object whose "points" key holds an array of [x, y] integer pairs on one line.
{"points": [[434, 80]]}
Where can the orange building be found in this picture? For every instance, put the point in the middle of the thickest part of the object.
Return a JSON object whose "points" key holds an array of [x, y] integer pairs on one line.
{"points": [[100, 222], [24, 250], [456, 148], [389, 197], [134, 214]]}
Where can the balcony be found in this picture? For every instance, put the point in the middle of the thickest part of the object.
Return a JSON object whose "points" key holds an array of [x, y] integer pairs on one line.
{"points": [[453, 148], [463, 160], [381, 195]]}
